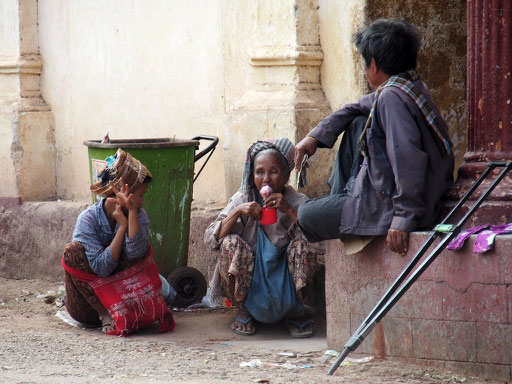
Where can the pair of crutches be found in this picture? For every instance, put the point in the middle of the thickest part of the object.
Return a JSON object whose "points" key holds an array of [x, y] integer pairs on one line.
{"points": [[397, 289]]}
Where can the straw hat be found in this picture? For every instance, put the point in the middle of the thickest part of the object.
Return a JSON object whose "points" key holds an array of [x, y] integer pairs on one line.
{"points": [[124, 166]]}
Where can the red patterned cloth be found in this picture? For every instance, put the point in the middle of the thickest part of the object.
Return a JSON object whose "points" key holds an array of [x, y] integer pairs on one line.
{"points": [[133, 297]]}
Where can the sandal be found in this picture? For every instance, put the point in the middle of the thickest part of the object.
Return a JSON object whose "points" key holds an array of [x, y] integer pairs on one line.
{"points": [[106, 328], [107, 324], [297, 328], [246, 323]]}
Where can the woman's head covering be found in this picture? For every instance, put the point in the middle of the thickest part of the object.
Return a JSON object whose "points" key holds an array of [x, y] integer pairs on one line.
{"points": [[282, 145], [124, 165]]}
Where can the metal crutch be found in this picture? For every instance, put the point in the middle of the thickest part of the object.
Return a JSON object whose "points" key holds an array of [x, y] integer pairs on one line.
{"points": [[396, 291]]}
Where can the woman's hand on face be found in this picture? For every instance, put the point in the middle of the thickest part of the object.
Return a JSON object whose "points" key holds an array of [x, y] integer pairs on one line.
{"points": [[124, 197], [277, 201], [119, 216], [251, 209]]}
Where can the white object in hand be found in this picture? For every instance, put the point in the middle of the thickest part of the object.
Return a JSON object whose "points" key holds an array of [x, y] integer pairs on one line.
{"points": [[266, 191]]}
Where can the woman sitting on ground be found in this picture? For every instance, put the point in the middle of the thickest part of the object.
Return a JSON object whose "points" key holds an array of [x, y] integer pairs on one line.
{"points": [[266, 270], [109, 237]]}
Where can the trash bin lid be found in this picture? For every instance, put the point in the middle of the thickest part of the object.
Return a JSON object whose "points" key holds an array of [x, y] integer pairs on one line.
{"points": [[166, 142]]}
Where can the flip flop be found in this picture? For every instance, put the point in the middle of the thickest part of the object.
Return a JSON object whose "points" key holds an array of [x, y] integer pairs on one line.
{"points": [[301, 334], [106, 328], [245, 322]]}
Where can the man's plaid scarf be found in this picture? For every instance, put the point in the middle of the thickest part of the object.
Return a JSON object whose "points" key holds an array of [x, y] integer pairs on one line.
{"points": [[404, 82]]}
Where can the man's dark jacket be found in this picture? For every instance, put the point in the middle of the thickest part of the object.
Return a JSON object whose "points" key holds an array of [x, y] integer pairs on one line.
{"points": [[401, 183]]}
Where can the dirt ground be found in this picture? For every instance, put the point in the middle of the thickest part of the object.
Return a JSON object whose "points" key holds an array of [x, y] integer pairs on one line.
{"points": [[38, 347]]}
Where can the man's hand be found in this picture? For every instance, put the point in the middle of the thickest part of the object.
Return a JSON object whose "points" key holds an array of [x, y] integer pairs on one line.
{"points": [[398, 241], [306, 146]]}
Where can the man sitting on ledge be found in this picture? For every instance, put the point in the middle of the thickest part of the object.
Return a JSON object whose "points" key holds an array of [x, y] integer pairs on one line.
{"points": [[395, 162]]}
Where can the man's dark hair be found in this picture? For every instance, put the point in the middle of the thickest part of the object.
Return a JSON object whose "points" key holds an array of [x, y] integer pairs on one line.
{"points": [[392, 43]]}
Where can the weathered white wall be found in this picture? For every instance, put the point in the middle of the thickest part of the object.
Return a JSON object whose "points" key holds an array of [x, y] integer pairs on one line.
{"points": [[259, 99], [240, 70], [27, 151], [135, 69], [272, 77], [159, 69], [342, 72], [9, 88], [9, 31]]}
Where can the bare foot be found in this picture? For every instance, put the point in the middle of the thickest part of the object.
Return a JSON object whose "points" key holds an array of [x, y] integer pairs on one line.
{"points": [[243, 324], [300, 327]]}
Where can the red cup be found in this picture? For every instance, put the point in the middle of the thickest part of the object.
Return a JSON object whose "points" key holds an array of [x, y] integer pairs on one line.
{"points": [[268, 216]]}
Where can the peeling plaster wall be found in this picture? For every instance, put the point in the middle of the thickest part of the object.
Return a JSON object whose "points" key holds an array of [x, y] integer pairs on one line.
{"points": [[135, 69], [441, 62], [9, 90], [343, 80], [8, 149], [27, 146], [160, 69], [252, 93], [36, 138], [10, 40], [442, 59], [272, 78]]}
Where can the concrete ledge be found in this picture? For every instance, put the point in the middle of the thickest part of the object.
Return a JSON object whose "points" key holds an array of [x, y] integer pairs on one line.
{"points": [[200, 256], [457, 315], [34, 234]]}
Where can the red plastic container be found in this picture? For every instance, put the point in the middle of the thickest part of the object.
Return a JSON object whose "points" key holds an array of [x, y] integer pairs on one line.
{"points": [[268, 216]]}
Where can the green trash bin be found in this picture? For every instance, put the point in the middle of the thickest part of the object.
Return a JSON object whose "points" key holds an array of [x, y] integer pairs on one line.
{"points": [[169, 197]]}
